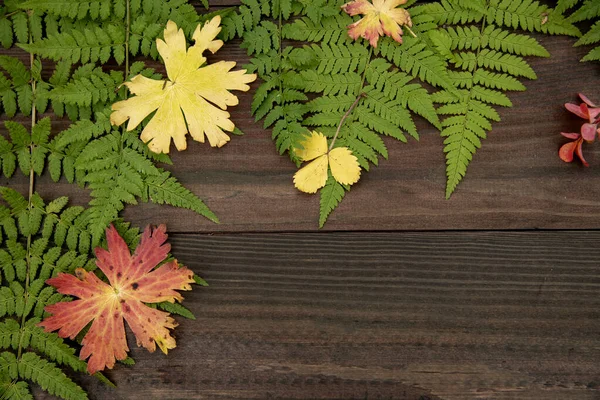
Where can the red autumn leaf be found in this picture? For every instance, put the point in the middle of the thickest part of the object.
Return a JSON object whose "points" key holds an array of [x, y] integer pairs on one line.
{"points": [[133, 281]]}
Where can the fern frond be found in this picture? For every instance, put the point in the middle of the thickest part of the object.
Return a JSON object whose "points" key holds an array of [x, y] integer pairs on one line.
{"points": [[78, 9], [262, 39], [592, 36], [564, 5], [177, 309], [94, 44], [17, 390], [52, 346], [88, 87], [164, 189], [337, 84], [337, 58], [245, 19], [528, 15], [450, 12], [49, 377], [16, 92], [331, 195], [589, 10], [331, 30]]}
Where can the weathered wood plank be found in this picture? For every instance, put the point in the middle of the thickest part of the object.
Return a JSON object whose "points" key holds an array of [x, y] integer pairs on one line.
{"points": [[453, 316]]}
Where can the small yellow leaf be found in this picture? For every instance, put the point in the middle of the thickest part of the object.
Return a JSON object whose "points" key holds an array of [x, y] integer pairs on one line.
{"points": [[194, 98], [313, 176], [344, 166], [314, 146]]}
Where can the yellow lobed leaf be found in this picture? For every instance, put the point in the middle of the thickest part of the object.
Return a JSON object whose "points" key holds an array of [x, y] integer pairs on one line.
{"points": [[194, 98], [344, 166], [313, 176], [313, 146]]}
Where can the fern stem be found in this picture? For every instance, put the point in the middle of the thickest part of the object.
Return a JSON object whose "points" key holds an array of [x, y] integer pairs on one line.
{"points": [[410, 31], [29, 198], [127, 35], [339, 128], [359, 96], [364, 74]]}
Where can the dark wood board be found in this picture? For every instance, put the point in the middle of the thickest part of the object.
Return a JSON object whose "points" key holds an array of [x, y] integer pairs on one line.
{"points": [[411, 316]]}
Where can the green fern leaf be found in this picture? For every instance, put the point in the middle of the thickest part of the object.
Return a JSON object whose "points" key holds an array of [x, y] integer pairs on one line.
{"points": [[164, 189], [414, 58], [177, 309], [593, 55], [52, 346], [87, 45], [330, 30], [21, 27], [15, 390], [331, 196], [6, 33], [49, 377]]}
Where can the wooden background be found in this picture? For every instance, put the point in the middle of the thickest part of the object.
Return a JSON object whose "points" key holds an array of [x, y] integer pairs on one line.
{"points": [[493, 294]]}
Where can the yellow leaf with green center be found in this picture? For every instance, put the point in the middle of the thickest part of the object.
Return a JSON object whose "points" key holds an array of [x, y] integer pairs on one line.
{"points": [[193, 99]]}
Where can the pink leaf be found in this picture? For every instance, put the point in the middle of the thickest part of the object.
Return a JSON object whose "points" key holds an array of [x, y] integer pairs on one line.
{"points": [[588, 132], [566, 151], [586, 100], [572, 135], [575, 109], [579, 152]]}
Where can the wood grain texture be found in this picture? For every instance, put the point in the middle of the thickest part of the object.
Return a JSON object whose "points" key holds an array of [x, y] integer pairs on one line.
{"points": [[452, 316]]}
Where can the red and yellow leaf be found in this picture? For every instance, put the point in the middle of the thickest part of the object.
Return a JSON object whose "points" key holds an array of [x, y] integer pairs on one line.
{"points": [[381, 17], [133, 281]]}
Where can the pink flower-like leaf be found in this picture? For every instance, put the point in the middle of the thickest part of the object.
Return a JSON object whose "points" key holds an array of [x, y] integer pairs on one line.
{"points": [[586, 110], [581, 112], [586, 100], [588, 132], [571, 135], [567, 151]]}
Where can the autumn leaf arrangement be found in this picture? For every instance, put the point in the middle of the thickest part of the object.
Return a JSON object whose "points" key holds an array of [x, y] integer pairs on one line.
{"points": [[70, 276], [338, 77]]}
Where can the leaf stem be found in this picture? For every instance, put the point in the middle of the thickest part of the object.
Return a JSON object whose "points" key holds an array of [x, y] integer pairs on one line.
{"points": [[352, 107], [29, 199], [360, 95], [127, 36], [410, 31]]}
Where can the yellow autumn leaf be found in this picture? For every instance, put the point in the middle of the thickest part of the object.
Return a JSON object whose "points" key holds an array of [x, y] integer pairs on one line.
{"points": [[382, 17], [310, 178], [200, 93]]}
